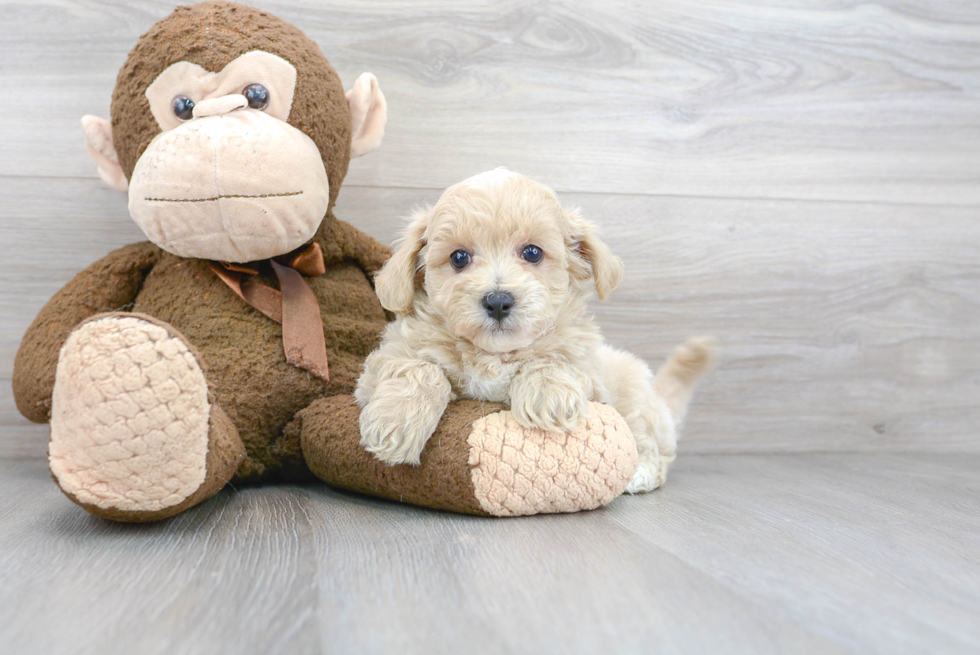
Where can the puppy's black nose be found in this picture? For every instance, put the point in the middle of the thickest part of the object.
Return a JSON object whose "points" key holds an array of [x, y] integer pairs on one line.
{"points": [[498, 305]]}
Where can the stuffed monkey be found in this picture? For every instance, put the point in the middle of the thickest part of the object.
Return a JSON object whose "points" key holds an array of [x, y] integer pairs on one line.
{"points": [[227, 346]]}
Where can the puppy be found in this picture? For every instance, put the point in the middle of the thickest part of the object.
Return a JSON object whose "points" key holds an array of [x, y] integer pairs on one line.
{"points": [[490, 290]]}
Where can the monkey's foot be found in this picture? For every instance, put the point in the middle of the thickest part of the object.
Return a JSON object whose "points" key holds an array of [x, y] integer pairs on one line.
{"points": [[134, 436]]}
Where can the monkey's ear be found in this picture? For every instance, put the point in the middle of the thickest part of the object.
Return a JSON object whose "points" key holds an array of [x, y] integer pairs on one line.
{"points": [[395, 282], [368, 115], [98, 140], [605, 268]]}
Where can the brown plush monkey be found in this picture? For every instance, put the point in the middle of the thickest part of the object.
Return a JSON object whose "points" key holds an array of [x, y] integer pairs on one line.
{"points": [[226, 347]]}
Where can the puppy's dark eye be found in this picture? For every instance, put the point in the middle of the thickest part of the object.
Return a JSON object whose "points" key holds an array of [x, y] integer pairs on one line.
{"points": [[183, 108], [460, 259], [532, 254], [257, 96]]}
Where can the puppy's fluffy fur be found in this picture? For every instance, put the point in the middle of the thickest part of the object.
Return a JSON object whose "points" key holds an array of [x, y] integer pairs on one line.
{"points": [[546, 357]]}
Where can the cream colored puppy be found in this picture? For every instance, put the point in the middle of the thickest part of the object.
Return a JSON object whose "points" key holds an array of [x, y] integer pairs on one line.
{"points": [[490, 289]]}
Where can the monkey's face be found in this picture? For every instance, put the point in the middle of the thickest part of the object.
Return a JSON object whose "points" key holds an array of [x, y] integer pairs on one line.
{"points": [[228, 178], [232, 133]]}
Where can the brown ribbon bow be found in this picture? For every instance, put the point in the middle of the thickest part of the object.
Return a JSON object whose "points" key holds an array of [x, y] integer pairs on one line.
{"points": [[294, 305]]}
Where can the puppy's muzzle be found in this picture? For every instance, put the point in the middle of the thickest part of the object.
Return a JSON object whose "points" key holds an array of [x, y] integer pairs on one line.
{"points": [[498, 305]]}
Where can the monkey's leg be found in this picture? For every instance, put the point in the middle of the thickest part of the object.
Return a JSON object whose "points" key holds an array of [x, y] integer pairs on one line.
{"points": [[134, 436], [479, 461]]}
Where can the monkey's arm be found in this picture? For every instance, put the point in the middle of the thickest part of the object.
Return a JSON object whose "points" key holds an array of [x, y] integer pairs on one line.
{"points": [[107, 285]]}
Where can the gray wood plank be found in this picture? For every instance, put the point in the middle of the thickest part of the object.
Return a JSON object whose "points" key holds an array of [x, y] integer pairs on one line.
{"points": [[781, 553], [561, 584], [830, 101], [885, 545], [847, 327], [227, 577]]}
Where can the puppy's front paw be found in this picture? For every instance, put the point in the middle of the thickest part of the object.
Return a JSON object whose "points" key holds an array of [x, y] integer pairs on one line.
{"points": [[550, 399], [403, 412], [391, 434]]}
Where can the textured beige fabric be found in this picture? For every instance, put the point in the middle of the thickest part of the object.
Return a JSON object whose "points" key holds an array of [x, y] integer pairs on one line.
{"points": [[98, 141], [517, 471], [237, 187], [129, 420], [368, 115], [187, 79], [234, 184]]}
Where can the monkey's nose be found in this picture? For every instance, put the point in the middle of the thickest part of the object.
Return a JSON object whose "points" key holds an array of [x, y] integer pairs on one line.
{"points": [[498, 305], [222, 105]]}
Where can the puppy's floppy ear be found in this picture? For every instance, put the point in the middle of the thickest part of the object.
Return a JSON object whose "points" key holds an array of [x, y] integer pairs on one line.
{"points": [[395, 282], [591, 256]]}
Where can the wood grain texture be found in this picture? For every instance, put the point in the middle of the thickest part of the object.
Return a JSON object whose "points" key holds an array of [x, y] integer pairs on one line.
{"points": [[800, 179], [845, 327], [737, 554], [828, 100], [858, 544]]}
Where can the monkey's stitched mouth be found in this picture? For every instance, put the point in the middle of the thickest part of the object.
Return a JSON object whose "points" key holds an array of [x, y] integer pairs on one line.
{"points": [[260, 195]]}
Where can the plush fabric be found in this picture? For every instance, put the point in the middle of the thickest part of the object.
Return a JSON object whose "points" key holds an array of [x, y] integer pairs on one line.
{"points": [[212, 35], [102, 150], [274, 73], [241, 348], [518, 472], [224, 454], [238, 212], [479, 461], [227, 182], [369, 118], [169, 385], [129, 426], [107, 285], [442, 480]]}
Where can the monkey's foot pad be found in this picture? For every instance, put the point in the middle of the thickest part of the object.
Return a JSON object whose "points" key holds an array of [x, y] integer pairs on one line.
{"points": [[129, 418], [518, 471]]}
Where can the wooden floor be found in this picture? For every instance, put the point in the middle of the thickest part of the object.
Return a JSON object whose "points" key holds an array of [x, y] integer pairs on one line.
{"points": [[851, 553], [800, 179]]}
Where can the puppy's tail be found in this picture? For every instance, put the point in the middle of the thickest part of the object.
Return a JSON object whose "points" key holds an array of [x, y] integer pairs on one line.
{"points": [[676, 378]]}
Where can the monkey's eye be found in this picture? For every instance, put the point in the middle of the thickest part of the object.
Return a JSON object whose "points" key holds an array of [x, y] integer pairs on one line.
{"points": [[183, 108], [460, 259], [257, 96], [532, 254]]}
